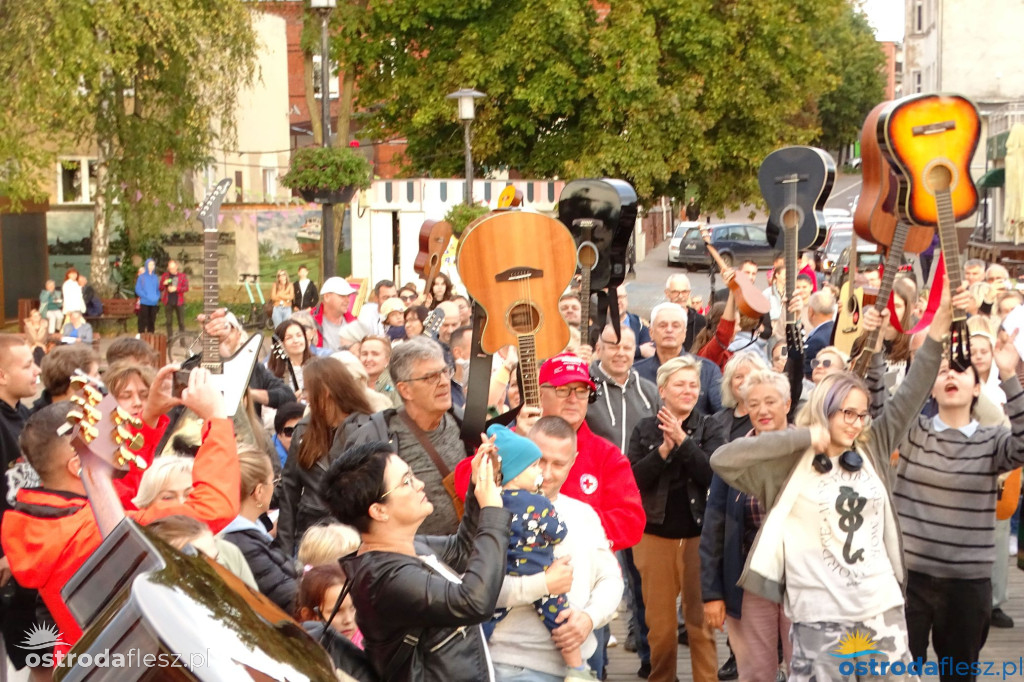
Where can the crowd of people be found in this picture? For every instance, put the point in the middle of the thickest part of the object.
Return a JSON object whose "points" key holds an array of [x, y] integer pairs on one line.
{"points": [[700, 466]]}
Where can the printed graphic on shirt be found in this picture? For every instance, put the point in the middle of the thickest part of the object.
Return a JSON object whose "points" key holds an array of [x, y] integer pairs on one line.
{"points": [[851, 513], [588, 484]]}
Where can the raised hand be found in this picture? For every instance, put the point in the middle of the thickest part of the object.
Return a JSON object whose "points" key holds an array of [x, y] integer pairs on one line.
{"points": [[202, 396], [1006, 356], [161, 398]]}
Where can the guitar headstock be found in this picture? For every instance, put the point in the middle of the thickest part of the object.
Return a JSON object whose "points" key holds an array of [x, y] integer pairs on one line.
{"points": [[277, 348], [433, 323], [211, 206], [794, 336], [100, 427], [959, 346]]}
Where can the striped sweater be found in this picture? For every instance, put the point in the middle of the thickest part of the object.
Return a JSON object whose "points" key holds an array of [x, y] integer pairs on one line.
{"points": [[946, 490]]}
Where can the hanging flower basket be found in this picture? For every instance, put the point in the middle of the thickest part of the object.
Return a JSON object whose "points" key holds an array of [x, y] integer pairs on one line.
{"points": [[327, 175]]}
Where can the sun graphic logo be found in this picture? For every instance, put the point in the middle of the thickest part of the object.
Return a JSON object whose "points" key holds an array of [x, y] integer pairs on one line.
{"points": [[855, 644], [41, 637]]}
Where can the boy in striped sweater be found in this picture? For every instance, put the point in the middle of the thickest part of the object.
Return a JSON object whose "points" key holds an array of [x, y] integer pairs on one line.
{"points": [[946, 489]]}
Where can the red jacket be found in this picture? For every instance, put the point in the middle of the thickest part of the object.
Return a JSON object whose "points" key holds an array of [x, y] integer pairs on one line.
{"points": [[45, 552], [318, 316], [180, 283], [602, 477]]}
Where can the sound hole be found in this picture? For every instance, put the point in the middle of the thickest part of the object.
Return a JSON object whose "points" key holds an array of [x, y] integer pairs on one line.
{"points": [[940, 177], [523, 318], [587, 255], [791, 218]]}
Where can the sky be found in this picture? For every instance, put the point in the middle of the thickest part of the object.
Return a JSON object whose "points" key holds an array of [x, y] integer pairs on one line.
{"points": [[887, 17]]}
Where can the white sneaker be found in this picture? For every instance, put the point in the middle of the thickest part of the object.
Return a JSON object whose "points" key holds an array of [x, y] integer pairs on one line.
{"points": [[612, 641]]}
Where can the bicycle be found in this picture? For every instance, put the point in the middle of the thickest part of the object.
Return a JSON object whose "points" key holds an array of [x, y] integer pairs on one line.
{"points": [[259, 316]]}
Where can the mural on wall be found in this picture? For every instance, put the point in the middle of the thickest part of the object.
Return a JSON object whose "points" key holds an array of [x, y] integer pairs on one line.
{"points": [[69, 242], [290, 237]]}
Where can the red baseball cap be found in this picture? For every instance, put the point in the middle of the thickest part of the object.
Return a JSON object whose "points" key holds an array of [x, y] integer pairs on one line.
{"points": [[565, 369]]}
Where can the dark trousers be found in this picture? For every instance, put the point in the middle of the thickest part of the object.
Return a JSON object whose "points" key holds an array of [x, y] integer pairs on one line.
{"points": [[955, 612], [147, 318], [177, 309], [635, 601]]}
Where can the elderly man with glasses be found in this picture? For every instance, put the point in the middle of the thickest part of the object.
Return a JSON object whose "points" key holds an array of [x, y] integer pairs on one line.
{"points": [[677, 290], [423, 432]]}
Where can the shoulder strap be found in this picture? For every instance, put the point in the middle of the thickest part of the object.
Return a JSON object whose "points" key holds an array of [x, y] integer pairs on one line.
{"points": [[442, 468]]}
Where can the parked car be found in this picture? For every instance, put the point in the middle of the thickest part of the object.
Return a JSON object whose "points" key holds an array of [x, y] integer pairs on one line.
{"points": [[736, 242], [837, 241]]}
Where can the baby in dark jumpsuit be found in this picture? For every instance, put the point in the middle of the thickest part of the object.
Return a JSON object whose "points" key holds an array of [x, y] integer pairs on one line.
{"points": [[536, 528]]}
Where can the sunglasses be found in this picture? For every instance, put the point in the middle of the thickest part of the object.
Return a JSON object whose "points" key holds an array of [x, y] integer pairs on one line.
{"points": [[815, 363], [288, 431], [408, 297], [784, 352]]}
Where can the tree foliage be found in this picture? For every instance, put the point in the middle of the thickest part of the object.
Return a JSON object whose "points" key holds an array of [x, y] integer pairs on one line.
{"points": [[663, 93], [147, 86]]}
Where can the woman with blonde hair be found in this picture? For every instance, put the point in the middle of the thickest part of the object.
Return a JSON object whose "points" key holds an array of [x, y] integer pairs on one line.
{"points": [[830, 547], [334, 394], [272, 568], [327, 543], [281, 295], [167, 478]]}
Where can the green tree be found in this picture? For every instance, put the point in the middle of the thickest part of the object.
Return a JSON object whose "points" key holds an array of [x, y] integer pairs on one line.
{"points": [[858, 61], [663, 93], [146, 86]]}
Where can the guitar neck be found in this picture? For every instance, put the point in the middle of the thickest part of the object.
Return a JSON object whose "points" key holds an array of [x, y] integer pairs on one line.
{"points": [[530, 390], [585, 305], [892, 265], [211, 293], [950, 245], [790, 272]]}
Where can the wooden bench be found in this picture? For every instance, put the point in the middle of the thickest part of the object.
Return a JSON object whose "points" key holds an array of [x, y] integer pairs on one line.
{"points": [[119, 309]]}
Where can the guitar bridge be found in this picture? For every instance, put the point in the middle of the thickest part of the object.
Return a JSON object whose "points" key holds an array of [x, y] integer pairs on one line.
{"points": [[933, 128], [516, 274]]}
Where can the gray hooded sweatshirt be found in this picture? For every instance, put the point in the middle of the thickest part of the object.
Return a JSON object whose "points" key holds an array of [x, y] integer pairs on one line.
{"points": [[618, 408]]}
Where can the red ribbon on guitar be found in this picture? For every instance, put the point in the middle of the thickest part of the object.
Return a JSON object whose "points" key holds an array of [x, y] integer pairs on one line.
{"points": [[934, 297]]}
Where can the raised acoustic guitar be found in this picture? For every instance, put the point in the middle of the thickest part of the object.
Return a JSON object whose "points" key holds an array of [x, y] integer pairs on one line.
{"points": [[434, 238], [516, 265], [930, 140], [750, 301]]}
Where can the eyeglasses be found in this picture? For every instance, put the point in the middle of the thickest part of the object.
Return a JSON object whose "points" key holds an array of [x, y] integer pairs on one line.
{"points": [[681, 292], [408, 297], [851, 417], [993, 280], [826, 363], [277, 481], [581, 392], [288, 431], [440, 376], [408, 480]]}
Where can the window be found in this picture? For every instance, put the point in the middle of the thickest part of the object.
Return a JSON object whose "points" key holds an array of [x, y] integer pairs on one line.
{"points": [[72, 186], [757, 234], [918, 16], [316, 78], [269, 184], [917, 81]]}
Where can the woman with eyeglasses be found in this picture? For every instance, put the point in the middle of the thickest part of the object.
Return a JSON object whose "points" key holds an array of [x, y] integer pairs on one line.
{"points": [[273, 570], [829, 360], [334, 395], [414, 319], [420, 599], [830, 547], [669, 456]]}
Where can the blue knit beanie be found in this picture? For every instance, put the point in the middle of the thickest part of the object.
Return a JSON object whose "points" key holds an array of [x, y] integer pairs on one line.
{"points": [[516, 452]]}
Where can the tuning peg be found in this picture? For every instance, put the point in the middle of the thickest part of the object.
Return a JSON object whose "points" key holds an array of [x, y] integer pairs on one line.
{"points": [[92, 414], [79, 380], [125, 437], [78, 399], [89, 433], [74, 416], [119, 416], [93, 395], [136, 422]]}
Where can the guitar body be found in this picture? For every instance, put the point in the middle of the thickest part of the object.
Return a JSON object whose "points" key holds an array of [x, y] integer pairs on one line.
{"points": [[795, 183], [1009, 496], [434, 238], [847, 326], [613, 206], [920, 132], [516, 266]]}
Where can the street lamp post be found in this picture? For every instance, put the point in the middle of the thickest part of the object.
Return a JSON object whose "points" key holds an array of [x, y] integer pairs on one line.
{"points": [[467, 112], [327, 254]]}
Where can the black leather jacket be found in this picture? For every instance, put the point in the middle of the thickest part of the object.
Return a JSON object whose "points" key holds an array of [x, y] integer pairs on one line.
{"points": [[656, 476], [397, 595]]}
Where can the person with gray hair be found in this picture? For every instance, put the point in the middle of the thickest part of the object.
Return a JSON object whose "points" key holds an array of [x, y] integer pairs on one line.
{"points": [[821, 311], [677, 290], [423, 432], [668, 328]]}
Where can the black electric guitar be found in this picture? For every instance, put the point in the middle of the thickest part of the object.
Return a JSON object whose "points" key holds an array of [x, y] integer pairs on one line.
{"points": [[795, 183], [600, 215], [137, 596], [230, 375]]}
